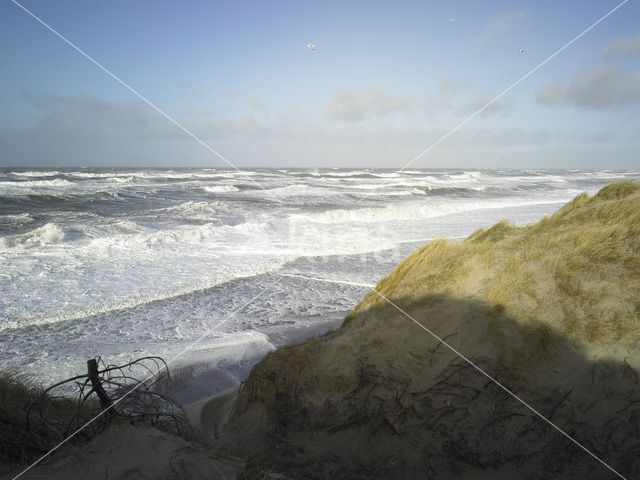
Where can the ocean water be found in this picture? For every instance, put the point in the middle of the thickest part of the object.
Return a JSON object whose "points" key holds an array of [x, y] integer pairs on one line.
{"points": [[188, 264]]}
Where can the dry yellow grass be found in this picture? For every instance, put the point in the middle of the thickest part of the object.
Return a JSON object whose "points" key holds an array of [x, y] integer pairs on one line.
{"points": [[576, 272]]}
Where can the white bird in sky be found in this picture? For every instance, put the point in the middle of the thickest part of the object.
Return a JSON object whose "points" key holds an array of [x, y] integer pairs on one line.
{"points": [[452, 19], [311, 46], [522, 51]]}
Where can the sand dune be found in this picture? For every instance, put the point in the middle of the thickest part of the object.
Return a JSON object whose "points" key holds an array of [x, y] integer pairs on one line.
{"points": [[550, 310]]}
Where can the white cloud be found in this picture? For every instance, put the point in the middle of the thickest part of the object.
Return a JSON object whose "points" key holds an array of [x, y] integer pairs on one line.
{"points": [[89, 118], [594, 88], [86, 130], [452, 96], [629, 45], [352, 107], [503, 106], [499, 24]]}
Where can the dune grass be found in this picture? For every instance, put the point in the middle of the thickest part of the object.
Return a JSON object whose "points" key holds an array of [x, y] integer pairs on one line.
{"points": [[19, 444], [576, 272]]}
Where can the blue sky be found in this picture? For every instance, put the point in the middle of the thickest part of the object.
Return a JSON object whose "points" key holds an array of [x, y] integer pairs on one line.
{"points": [[386, 80]]}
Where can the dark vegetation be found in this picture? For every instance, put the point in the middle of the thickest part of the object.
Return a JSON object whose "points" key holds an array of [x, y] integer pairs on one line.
{"points": [[35, 419]]}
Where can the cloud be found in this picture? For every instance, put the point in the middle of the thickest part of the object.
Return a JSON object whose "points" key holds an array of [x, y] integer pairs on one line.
{"points": [[352, 107], [503, 106], [499, 24], [87, 130], [629, 45], [594, 88], [90, 118], [452, 96]]}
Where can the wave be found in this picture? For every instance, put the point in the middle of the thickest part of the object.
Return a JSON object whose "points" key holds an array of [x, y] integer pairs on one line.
{"points": [[446, 191], [208, 233], [473, 175], [203, 212], [33, 199], [221, 189], [35, 173], [129, 179], [147, 175], [125, 227], [96, 175], [352, 173], [192, 207], [57, 183], [360, 174], [414, 211], [299, 189], [18, 216], [47, 234]]}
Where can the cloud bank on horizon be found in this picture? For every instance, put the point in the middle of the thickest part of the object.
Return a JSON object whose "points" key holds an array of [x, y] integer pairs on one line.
{"points": [[382, 84]]}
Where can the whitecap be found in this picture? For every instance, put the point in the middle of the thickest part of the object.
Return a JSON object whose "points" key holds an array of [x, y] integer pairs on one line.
{"points": [[47, 234], [221, 188]]}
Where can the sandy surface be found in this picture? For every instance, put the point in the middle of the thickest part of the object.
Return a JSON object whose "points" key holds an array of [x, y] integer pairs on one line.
{"points": [[210, 414], [127, 451]]}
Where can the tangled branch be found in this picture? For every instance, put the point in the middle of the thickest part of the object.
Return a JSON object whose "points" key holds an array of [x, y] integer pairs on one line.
{"points": [[129, 391]]}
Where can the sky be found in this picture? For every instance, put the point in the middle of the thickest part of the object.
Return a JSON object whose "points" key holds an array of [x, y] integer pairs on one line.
{"points": [[388, 85]]}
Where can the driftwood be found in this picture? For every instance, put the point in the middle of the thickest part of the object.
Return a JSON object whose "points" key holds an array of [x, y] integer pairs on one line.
{"points": [[106, 392], [96, 384]]}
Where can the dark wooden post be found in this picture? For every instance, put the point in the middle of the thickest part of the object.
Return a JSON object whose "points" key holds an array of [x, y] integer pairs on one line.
{"points": [[92, 367]]}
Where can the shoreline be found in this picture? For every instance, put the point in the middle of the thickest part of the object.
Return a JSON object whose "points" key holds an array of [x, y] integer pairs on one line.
{"points": [[198, 380]]}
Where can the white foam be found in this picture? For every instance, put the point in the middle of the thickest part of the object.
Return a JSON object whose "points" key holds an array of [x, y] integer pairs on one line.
{"points": [[414, 211], [220, 188], [36, 174], [124, 227], [299, 189], [17, 217], [228, 347], [352, 173], [48, 234], [123, 301], [128, 179], [205, 209], [55, 183]]}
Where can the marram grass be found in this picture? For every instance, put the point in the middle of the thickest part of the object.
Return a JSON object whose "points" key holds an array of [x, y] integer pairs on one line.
{"points": [[576, 272]]}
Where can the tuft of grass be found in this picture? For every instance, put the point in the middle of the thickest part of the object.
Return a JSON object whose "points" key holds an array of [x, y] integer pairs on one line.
{"points": [[491, 234], [292, 362], [617, 190], [18, 444]]}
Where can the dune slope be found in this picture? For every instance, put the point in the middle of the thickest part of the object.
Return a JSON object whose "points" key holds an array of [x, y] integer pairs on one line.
{"points": [[551, 310]]}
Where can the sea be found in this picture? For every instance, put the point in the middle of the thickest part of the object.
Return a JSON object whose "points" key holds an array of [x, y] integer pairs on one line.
{"points": [[212, 268]]}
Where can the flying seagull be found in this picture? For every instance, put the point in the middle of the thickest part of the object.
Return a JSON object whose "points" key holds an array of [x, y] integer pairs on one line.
{"points": [[452, 19], [522, 51], [311, 46]]}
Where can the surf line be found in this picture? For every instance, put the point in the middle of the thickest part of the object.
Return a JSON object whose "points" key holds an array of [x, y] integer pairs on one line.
{"points": [[328, 280]]}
